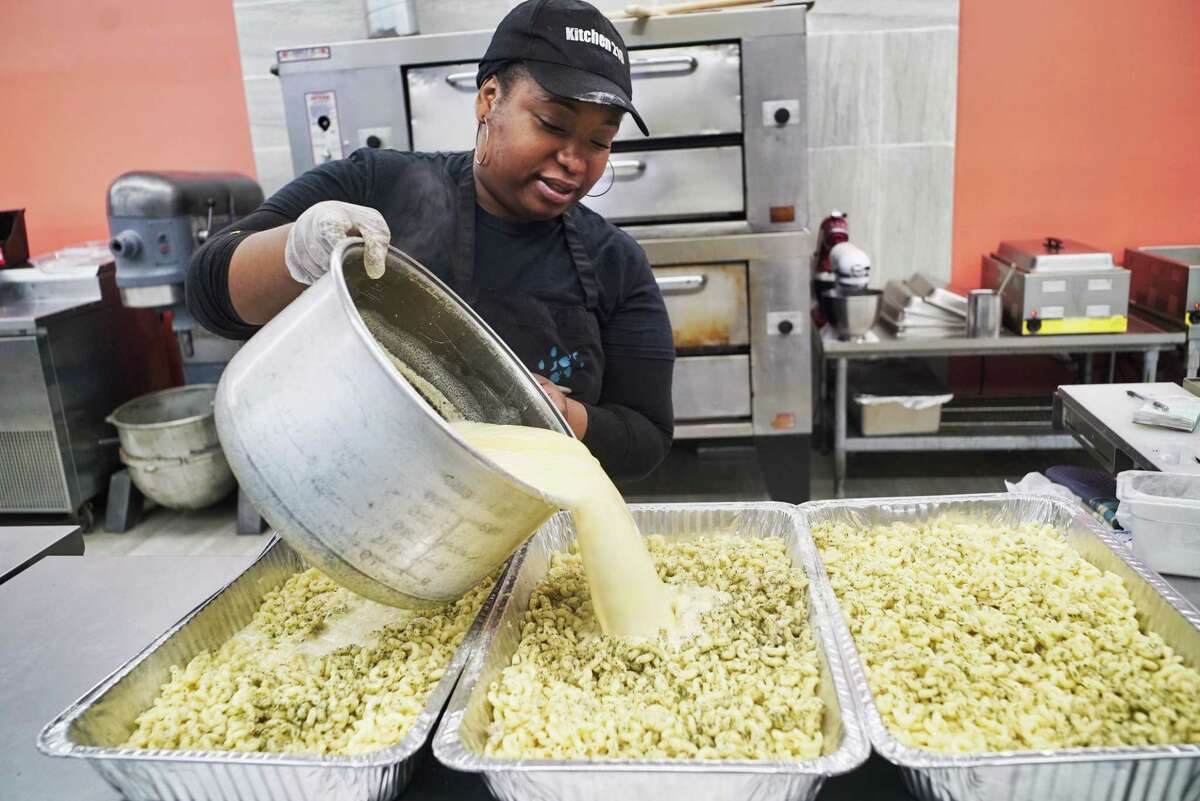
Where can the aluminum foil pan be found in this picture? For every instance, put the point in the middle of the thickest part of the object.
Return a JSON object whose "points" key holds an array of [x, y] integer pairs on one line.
{"points": [[94, 727], [1158, 773], [460, 737]]}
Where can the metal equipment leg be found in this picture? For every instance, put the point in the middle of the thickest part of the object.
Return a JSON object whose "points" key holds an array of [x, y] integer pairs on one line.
{"points": [[839, 429], [1112, 367], [784, 463], [1193, 358], [249, 521], [1149, 366], [1087, 368], [124, 507]]}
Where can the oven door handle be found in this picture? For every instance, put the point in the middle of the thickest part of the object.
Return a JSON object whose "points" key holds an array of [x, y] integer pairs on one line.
{"points": [[628, 165], [688, 63], [456, 78], [675, 284]]}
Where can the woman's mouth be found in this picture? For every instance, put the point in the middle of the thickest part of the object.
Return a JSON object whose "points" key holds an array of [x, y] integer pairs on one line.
{"points": [[555, 191]]}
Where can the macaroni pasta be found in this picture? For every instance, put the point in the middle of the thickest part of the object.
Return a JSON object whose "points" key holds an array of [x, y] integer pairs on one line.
{"points": [[742, 686], [982, 638], [318, 670]]}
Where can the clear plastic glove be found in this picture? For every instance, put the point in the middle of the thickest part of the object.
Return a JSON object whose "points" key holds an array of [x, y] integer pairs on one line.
{"points": [[318, 230]]}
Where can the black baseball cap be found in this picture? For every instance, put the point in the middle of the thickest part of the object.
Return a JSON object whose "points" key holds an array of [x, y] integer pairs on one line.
{"points": [[570, 48]]}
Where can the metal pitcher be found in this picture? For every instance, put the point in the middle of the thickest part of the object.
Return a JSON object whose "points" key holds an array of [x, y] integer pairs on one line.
{"points": [[350, 465]]}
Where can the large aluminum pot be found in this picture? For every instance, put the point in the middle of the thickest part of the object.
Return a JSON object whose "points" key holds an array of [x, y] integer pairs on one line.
{"points": [[169, 445], [350, 465]]}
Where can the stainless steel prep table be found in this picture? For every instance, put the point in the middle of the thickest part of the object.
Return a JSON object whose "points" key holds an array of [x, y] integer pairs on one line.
{"points": [[1142, 337], [22, 546], [68, 622], [1100, 417]]}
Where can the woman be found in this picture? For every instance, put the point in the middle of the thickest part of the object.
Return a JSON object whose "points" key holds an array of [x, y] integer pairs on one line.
{"points": [[571, 294]]}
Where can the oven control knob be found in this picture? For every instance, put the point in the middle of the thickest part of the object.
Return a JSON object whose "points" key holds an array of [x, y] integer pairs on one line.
{"points": [[1194, 316], [785, 326], [782, 115]]}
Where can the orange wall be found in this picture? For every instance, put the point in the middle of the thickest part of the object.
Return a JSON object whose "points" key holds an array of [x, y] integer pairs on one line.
{"points": [[92, 88], [1076, 118]]}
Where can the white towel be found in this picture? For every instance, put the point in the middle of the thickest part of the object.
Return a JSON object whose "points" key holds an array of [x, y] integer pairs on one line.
{"points": [[1180, 414]]}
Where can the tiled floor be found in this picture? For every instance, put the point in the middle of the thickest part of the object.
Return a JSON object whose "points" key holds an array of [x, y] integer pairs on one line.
{"points": [[709, 473]]}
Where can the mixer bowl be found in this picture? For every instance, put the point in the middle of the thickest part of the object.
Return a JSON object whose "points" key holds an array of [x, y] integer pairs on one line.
{"points": [[169, 445], [350, 465], [855, 311]]}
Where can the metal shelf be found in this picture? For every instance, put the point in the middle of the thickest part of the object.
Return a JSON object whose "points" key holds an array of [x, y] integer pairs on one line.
{"points": [[1008, 424], [1039, 438]]}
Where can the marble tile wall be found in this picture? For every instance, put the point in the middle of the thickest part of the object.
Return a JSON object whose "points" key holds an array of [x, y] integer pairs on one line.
{"points": [[881, 108], [883, 77]]}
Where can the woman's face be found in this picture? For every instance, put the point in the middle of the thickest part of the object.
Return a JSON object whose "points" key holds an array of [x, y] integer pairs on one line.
{"points": [[543, 153]]}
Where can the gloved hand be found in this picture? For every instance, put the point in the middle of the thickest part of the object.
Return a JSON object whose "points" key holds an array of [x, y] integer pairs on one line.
{"points": [[313, 236]]}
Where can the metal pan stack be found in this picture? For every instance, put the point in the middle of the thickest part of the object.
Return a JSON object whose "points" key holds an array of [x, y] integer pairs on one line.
{"points": [[922, 307]]}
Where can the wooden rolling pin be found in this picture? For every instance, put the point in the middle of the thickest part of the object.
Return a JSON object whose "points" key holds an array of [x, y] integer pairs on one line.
{"points": [[641, 12]]}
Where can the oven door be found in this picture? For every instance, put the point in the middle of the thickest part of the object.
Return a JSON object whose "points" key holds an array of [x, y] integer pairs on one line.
{"points": [[708, 305], [711, 388], [694, 90], [657, 185], [441, 103]]}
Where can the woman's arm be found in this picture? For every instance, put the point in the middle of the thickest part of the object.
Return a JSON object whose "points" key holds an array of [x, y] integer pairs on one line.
{"points": [[259, 282], [209, 288], [631, 428], [239, 279]]}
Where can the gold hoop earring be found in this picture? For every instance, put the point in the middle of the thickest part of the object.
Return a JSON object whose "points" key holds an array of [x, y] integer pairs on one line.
{"points": [[612, 170], [486, 138]]}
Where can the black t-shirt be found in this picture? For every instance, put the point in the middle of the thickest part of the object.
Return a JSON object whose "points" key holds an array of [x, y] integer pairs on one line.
{"points": [[525, 257], [613, 305]]}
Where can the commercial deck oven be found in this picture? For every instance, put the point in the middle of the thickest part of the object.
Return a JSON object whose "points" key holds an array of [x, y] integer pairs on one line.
{"points": [[717, 196]]}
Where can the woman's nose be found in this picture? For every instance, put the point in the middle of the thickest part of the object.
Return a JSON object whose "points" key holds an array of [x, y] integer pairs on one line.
{"points": [[570, 159]]}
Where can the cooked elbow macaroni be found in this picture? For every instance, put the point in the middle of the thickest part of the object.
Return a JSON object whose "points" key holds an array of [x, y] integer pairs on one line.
{"points": [[743, 686], [317, 670], [981, 638]]}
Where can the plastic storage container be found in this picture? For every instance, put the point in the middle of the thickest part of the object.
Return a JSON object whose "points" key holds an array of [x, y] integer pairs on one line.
{"points": [[1162, 511], [911, 414]]}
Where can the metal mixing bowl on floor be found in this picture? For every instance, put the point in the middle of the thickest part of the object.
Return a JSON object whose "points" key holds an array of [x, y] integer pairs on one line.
{"points": [[169, 445]]}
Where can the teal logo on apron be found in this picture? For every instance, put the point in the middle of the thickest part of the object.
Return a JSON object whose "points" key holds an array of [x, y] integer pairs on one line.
{"points": [[560, 366]]}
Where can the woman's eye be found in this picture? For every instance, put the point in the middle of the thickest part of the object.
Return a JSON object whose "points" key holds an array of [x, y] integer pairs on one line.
{"points": [[601, 145], [551, 127]]}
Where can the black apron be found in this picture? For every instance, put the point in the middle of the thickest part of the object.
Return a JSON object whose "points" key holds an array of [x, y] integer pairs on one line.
{"points": [[559, 342]]}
